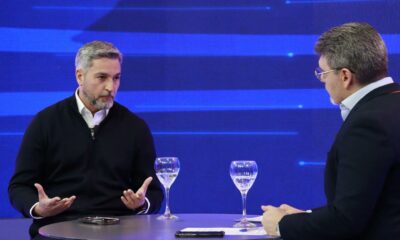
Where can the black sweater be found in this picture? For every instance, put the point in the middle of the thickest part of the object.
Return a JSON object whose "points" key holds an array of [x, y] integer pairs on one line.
{"points": [[59, 152]]}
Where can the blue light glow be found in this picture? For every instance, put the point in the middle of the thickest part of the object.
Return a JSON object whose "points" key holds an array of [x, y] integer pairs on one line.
{"points": [[167, 44], [327, 1], [188, 8], [225, 133], [311, 163], [11, 133], [198, 133]]}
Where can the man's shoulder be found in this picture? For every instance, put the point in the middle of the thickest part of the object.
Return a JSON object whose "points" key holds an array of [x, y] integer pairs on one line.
{"points": [[58, 107], [124, 113]]}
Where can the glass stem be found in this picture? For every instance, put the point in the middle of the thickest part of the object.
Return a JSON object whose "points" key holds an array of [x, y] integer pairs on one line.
{"points": [[167, 211], [244, 195]]}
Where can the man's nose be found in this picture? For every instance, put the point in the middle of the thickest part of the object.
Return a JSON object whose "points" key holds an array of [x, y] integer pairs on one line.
{"points": [[109, 85]]}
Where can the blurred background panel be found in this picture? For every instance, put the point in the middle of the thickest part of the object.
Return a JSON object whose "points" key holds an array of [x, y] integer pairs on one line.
{"points": [[215, 80]]}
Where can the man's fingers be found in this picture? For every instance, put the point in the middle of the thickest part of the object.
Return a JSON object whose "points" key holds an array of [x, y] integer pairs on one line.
{"points": [[140, 194], [125, 201], [266, 208], [68, 204], [289, 209], [128, 200], [72, 198], [146, 184], [61, 207], [68, 201], [284, 206], [63, 204], [53, 206], [40, 190], [130, 197], [53, 202]]}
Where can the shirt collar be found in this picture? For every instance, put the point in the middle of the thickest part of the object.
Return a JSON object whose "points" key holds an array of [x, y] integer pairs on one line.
{"points": [[81, 106], [348, 104]]}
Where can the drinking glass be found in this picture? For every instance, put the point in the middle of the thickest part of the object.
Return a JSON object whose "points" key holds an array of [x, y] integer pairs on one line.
{"points": [[167, 169], [243, 174]]}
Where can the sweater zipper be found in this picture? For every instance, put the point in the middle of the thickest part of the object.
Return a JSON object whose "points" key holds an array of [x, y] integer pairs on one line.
{"points": [[92, 133]]}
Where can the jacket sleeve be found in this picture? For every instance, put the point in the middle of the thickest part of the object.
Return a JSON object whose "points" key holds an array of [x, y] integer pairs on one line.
{"points": [[28, 168], [364, 154], [145, 168]]}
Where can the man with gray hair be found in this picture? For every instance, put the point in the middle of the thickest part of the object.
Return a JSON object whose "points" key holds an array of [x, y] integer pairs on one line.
{"points": [[86, 155], [362, 174]]}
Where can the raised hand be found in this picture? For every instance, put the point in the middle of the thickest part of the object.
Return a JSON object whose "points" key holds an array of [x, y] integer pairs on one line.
{"points": [[50, 206], [134, 200]]}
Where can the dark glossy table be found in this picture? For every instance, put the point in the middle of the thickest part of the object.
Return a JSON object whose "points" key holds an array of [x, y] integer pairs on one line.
{"points": [[141, 227]]}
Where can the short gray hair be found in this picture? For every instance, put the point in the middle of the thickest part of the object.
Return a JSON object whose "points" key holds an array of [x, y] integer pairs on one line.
{"points": [[95, 50], [356, 46]]}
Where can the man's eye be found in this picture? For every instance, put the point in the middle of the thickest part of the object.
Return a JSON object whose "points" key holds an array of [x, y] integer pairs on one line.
{"points": [[101, 77]]}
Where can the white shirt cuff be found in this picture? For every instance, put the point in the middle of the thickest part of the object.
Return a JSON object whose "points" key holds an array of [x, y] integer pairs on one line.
{"points": [[278, 233], [144, 211], [31, 211]]}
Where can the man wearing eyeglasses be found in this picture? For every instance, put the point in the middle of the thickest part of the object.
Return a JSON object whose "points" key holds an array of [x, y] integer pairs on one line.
{"points": [[362, 175]]}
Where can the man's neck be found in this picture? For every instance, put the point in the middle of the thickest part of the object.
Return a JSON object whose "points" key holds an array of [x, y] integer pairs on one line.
{"points": [[87, 103]]}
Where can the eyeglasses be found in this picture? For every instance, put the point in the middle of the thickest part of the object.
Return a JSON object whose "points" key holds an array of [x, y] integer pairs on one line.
{"points": [[319, 73]]}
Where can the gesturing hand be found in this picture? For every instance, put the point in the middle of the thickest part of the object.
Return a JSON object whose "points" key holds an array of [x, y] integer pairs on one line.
{"points": [[50, 206], [134, 200]]}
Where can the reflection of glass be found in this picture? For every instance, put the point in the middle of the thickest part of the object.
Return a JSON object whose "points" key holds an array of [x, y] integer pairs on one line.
{"points": [[243, 174], [167, 169]]}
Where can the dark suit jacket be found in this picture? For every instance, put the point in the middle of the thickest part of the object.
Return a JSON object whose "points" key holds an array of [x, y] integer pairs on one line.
{"points": [[362, 176]]}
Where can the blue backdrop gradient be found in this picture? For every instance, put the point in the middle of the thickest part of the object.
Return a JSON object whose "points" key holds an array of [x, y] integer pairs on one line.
{"points": [[215, 80]]}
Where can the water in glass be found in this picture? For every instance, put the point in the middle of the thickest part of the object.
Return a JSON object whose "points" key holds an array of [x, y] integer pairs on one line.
{"points": [[167, 169], [243, 174]]}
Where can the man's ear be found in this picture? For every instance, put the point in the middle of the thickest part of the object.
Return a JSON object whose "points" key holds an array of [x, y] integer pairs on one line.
{"points": [[79, 76], [347, 78]]}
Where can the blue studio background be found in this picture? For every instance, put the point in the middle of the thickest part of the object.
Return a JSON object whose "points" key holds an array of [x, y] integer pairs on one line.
{"points": [[215, 80]]}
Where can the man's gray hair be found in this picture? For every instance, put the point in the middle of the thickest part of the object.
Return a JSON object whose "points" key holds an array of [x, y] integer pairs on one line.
{"points": [[356, 46], [95, 50]]}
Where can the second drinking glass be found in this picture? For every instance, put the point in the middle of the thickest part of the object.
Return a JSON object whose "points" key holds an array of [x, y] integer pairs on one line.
{"points": [[167, 169], [243, 174]]}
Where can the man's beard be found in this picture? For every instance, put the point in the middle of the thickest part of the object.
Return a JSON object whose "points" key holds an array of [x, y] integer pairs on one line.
{"points": [[97, 103]]}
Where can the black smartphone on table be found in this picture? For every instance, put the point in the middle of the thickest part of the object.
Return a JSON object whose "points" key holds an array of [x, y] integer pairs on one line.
{"points": [[200, 234]]}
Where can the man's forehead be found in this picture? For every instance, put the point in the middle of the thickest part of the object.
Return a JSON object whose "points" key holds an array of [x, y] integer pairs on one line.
{"points": [[105, 61], [322, 62], [105, 65], [100, 72]]}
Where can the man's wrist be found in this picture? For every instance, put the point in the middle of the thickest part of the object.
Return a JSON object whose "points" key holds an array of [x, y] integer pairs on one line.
{"points": [[32, 212], [278, 232], [144, 208]]}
